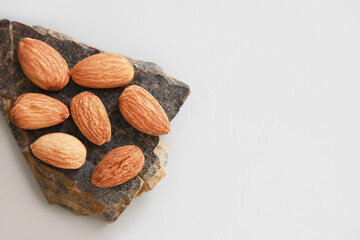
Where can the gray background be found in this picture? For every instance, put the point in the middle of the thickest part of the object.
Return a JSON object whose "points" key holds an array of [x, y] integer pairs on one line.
{"points": [[267, 145]]}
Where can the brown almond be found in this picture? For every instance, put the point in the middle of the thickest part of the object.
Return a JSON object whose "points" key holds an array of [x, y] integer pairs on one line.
{"points": [[143, 111], [118, 166], [35, 110], [60, 150], [43, 65], [90, 116], [103, 70]]}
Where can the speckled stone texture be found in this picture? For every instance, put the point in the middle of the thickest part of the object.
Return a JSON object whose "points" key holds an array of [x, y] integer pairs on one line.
{"points": [[73, 189]]}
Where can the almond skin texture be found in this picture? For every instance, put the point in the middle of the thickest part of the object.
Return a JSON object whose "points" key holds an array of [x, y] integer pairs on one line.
{"points": [[90, 116], [143, 111], [103, 70], [60, 150], [35, 111], [118, 166], [43, 65]]}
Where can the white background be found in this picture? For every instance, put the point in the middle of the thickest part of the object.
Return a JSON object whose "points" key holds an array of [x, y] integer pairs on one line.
{"points": [[267, 145]]}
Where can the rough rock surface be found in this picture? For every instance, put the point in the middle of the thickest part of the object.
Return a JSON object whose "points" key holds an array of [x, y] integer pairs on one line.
{"points": [[73, 189]]}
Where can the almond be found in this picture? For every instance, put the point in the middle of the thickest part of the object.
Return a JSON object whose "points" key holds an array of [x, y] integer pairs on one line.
{"points": [[103, 70], [43, 65], [60, 150], [90, 116], [35, 110], [118, 166], [143, 112]]}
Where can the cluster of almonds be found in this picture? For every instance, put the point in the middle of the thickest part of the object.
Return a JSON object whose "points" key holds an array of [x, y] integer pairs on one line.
{"points": [[47, 69]]}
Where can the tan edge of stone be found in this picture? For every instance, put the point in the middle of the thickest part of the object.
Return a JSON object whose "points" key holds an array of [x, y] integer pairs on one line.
{"points": [[160, 151]]}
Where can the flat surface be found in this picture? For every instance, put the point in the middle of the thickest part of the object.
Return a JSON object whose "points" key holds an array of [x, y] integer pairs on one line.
{"points": [[267, 144]]}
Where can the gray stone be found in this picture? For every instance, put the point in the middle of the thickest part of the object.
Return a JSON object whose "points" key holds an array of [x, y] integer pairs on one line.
{"points": [[73, 189]]}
